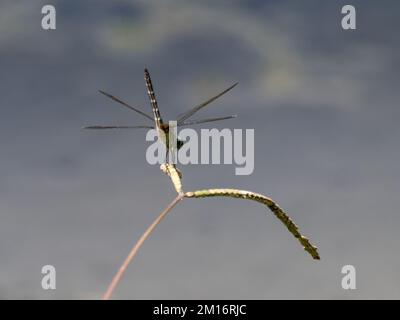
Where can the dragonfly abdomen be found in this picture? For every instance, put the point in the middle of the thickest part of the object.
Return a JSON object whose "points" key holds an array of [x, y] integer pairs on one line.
{"points": [[152, 97]]}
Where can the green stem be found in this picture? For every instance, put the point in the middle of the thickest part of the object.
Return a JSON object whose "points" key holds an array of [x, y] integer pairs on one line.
{"points": [[279, 213]]}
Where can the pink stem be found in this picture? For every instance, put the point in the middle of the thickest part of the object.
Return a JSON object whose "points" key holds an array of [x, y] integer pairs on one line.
{"points": [[137, 246]]}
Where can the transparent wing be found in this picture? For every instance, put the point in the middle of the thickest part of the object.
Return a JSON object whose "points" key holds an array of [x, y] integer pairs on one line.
{"points": [[192, 111], [190, 122], [126, 105], [117, 127]]}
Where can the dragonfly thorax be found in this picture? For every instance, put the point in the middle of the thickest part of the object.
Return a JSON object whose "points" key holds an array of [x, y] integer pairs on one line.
{"points": [[165, 135]]}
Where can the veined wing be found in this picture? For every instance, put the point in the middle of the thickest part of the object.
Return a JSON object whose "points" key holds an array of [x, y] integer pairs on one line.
{"points": [[118, 127], [126, 105], [192, 111], [190, 122]]}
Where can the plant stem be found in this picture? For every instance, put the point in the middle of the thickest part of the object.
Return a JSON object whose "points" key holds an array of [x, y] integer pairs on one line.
{"points": [[137, 246], [279, 213]]}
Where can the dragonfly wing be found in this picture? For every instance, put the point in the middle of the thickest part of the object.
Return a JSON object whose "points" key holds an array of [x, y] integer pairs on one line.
{"points": [[192, 111], [125, 104], [191, 122], [118, 127]]}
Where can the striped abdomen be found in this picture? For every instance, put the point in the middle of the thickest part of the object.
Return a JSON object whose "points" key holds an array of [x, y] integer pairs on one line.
{"points": [[152, 97]]}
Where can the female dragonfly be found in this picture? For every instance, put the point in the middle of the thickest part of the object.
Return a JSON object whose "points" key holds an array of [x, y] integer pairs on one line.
{"points": [[161, 127]]}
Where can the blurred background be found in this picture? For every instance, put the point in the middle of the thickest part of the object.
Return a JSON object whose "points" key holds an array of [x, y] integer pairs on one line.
{"points": [[324, 106]]}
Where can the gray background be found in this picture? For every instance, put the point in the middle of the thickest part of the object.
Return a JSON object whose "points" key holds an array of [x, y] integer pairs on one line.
{"points": [[324, 106]]}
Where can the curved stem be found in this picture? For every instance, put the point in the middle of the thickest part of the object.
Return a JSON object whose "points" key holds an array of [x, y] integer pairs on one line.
{"points": [[279, 213], [137, 246]]}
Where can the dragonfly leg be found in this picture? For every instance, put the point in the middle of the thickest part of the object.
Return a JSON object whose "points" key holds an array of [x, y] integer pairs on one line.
{"points": [[166, 155]]}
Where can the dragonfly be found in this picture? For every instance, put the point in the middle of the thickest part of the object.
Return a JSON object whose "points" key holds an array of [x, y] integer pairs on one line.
{"points": [[163, 128]]}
